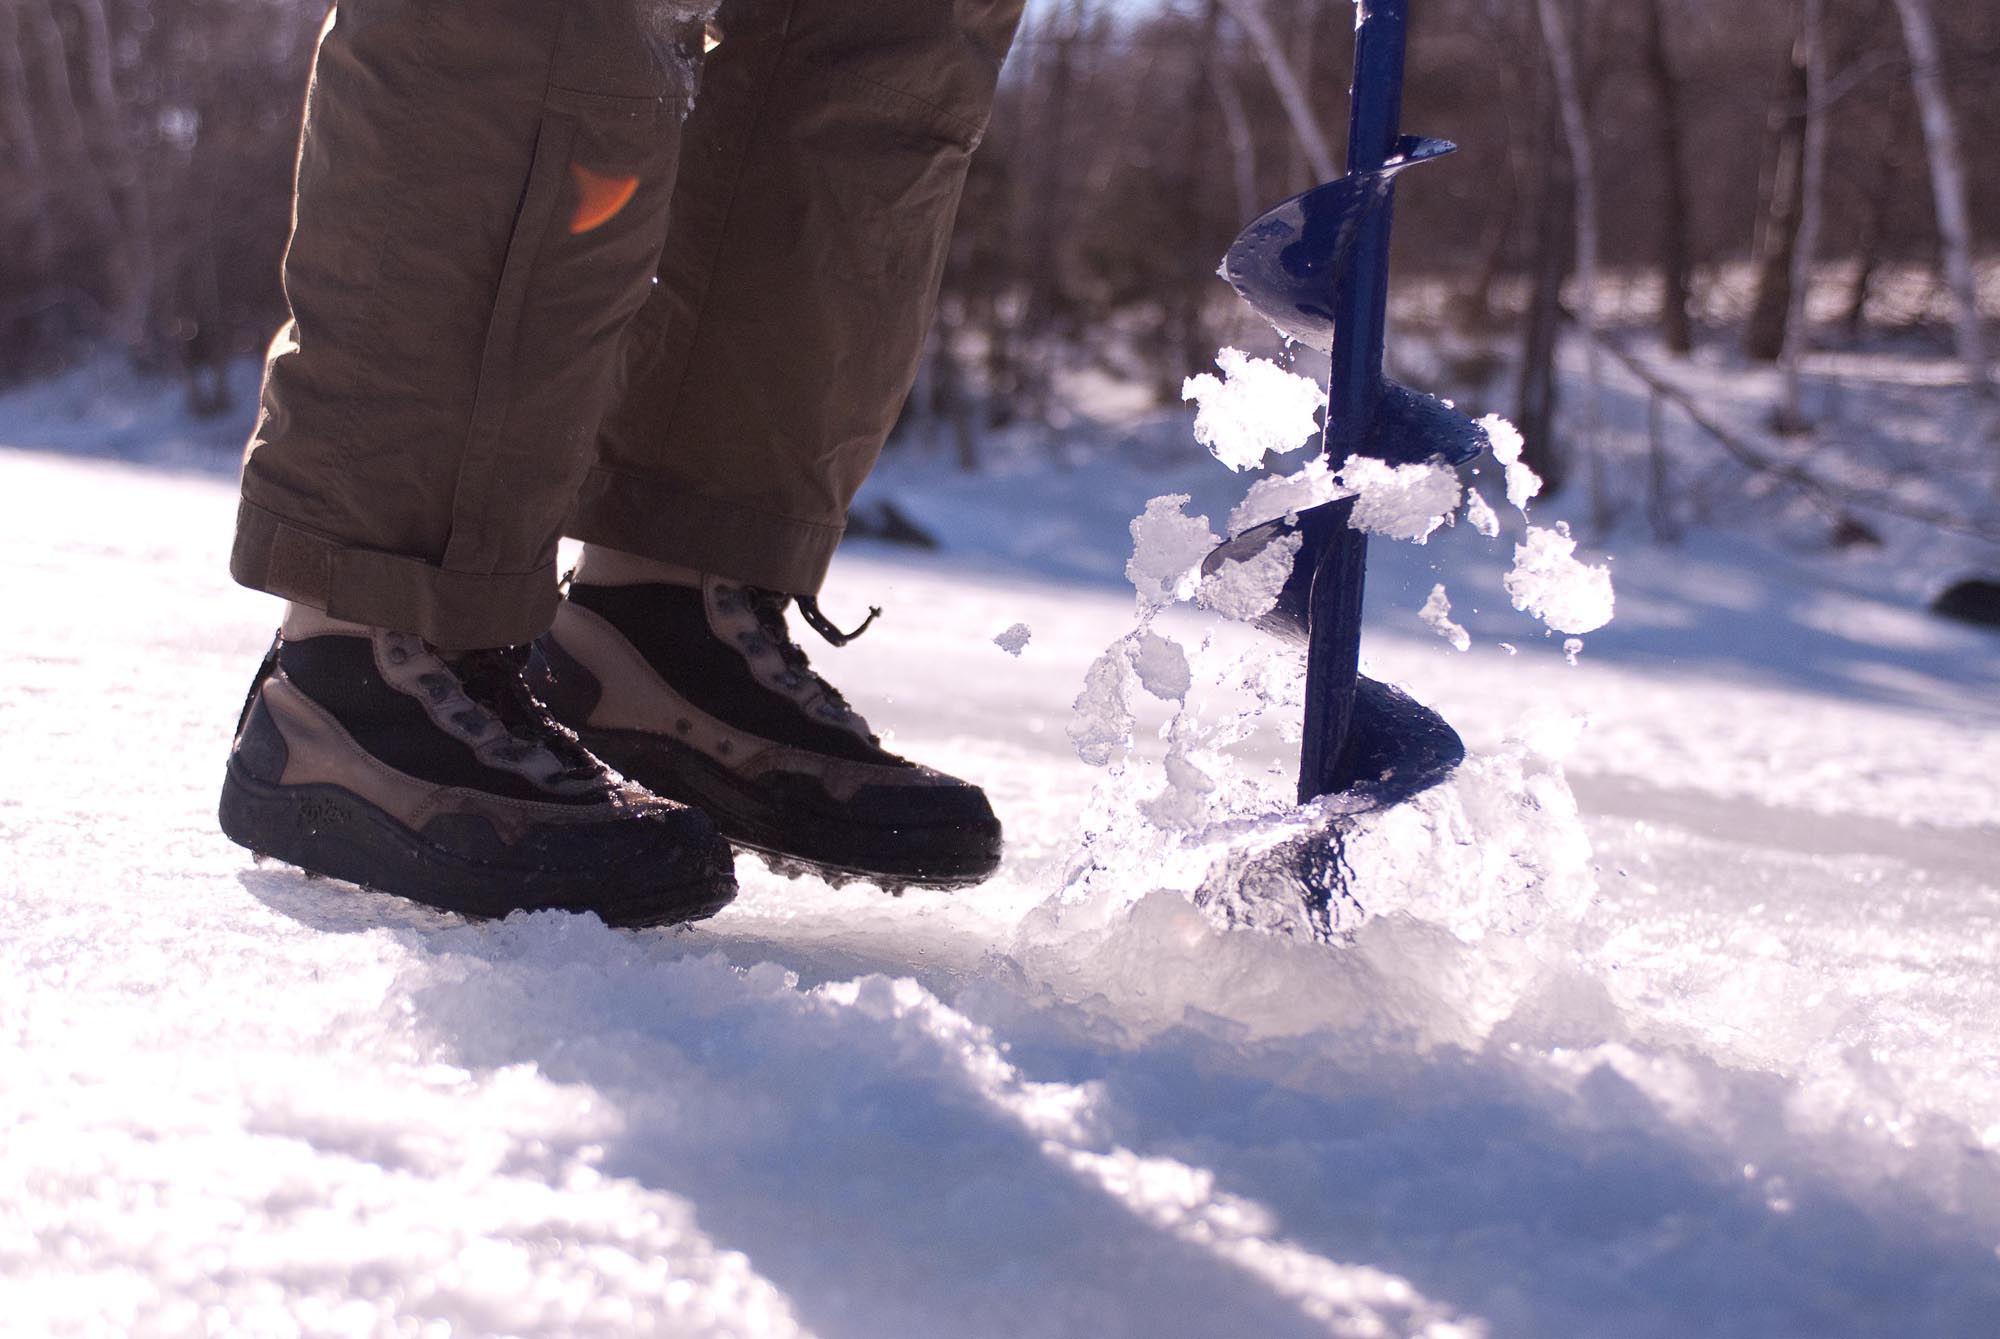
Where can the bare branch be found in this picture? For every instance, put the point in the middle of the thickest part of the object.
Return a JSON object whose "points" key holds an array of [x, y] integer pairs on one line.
{"points": [[1947, 184], [1291, 93], [1767, 460]]}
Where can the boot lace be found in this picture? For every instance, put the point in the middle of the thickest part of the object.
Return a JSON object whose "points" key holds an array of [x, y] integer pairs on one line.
{"points": [[492, 680], [769, 608]]}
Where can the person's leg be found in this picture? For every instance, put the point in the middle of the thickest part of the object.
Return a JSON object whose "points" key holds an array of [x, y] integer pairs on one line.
{"points": [[808, 234], [482, 197]]}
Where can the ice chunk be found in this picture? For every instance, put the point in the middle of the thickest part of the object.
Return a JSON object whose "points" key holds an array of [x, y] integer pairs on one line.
{"points": [[1167, 548], [1161, 666], [1015, 639], [1549, 582], [1479, 514], [1249, 589], [1183, 804], [1401, 501], [1437, 614], [1506, 442], [1101, 727], [1286, 495], [1255, 407]]}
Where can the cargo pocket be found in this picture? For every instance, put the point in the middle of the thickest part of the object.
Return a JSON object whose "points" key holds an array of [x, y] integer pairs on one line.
{"points": [[579, 262]]}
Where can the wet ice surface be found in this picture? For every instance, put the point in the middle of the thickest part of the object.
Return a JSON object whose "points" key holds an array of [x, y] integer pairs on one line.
{"points": [[1714, 1051]]}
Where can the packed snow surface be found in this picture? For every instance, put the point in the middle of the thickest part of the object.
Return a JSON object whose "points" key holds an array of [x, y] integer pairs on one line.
{"points": [[1673, 1013]]}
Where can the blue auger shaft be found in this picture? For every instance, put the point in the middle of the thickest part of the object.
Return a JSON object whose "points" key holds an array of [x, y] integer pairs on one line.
{"points": [[1354, 391]]}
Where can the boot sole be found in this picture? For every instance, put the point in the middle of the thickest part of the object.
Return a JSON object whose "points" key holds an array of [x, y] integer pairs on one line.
{"points": [[791, 865], [840, 851], [331, 831]]}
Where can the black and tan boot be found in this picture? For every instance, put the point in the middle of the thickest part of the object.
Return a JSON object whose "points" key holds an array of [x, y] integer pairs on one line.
{"points": [[696, 689], [368, 756]]}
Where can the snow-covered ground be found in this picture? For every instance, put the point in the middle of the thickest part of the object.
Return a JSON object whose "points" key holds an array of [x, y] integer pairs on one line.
{"points": [[1676, 1013]]}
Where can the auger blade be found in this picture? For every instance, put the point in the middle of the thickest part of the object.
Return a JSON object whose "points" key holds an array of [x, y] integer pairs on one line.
{"points": [[1410, 427], [1289, 619], [1288, 261]]}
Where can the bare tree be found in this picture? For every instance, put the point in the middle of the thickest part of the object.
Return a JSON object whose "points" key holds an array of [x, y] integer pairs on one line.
{"points": [[1676, 254], [124, 183], [1046, 301], [1549, 196], [78, 175], [21, 138], [1236, 126], [1782, 205], [1311, 136], [1576, 134], [1947, 184], [1791, 415]]}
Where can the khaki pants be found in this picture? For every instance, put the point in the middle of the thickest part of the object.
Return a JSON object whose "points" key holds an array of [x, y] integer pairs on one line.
{"points": [[532, 295]]}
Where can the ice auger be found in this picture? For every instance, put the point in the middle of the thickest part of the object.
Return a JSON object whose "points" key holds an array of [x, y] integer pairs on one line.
{"points": [[1317, 267]]}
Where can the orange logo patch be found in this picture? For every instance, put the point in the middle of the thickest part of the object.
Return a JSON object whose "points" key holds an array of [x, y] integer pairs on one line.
{"points": [[599, 198]]}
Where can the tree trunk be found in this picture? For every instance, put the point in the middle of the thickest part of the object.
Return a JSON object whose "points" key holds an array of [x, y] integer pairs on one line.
{"points": [[1676, 255], [1044, 311], [126, 184], [1473, 306], [72, 142], [1875, 210], [1189, 278], [1947, 185], [1791, 417], [947, 400], [1576, 135], [1778, 223], [1242, 145], [1518, 83], [18, 122], [1547, 201], [1306, 129]]}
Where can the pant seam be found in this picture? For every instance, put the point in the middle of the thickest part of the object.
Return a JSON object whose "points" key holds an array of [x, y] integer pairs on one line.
{"points": [[470, 487], [740, 163]]}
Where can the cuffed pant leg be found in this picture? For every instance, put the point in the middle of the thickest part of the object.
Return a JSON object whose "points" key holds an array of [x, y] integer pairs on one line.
{"points": [[483, 188], [821, 175]]}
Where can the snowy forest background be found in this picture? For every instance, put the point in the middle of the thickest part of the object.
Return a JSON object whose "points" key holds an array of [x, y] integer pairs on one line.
{"points": [[148, 145]]}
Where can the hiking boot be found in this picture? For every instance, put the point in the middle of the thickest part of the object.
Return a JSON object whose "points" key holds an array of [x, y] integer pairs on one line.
{"points": [[698, 692], [369, 756]]}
